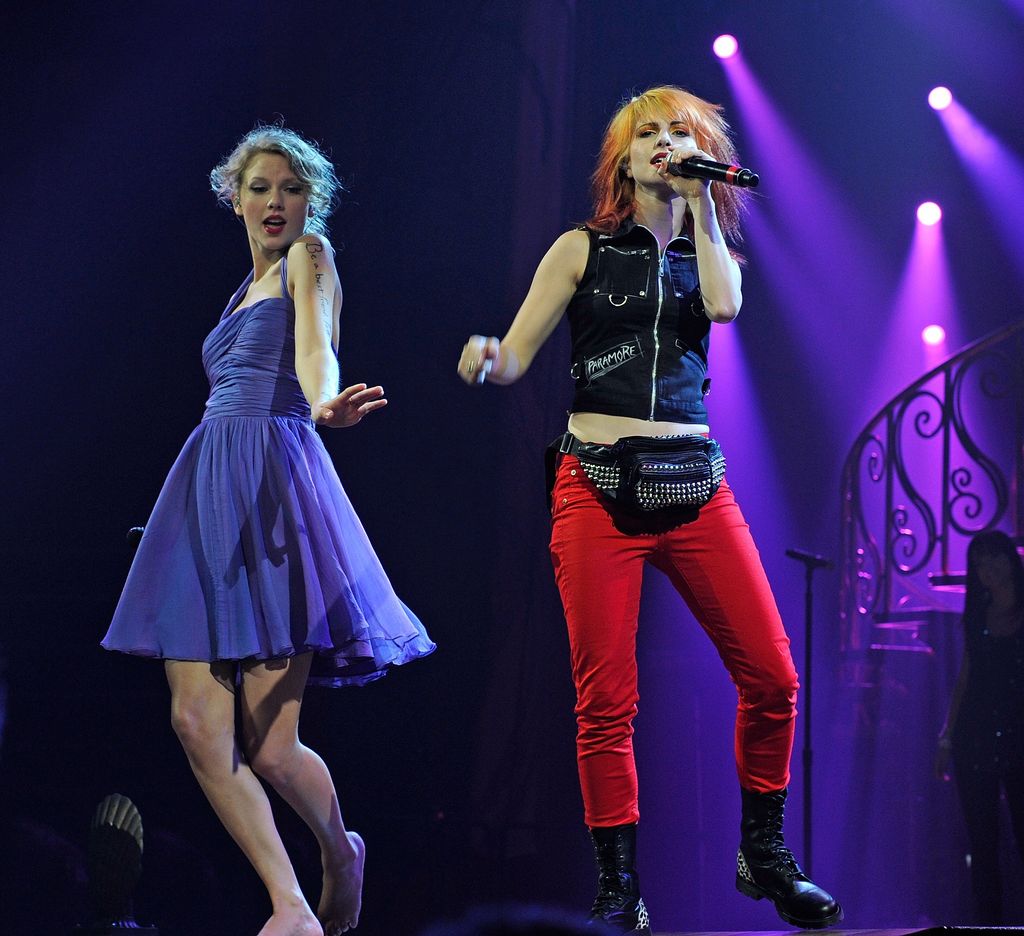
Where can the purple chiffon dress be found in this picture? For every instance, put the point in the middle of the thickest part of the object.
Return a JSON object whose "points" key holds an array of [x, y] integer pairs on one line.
{"points": [[253, 550]]}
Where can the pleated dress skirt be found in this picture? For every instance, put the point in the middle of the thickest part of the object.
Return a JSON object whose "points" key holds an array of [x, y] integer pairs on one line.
{"points": [[253, 550]]}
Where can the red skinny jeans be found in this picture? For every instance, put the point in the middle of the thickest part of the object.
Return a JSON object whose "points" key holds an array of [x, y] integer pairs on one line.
{"points": [[714, 564]]}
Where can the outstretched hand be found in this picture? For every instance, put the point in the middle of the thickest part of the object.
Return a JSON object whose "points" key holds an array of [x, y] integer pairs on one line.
{"points": [[349, 406], [477, 358]]}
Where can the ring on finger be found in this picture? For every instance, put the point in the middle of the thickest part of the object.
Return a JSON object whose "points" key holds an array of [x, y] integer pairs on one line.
{"points": [[470, 367]]}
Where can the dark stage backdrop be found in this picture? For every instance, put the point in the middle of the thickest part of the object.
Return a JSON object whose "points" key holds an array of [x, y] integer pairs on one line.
{"points": [[465, 132]]}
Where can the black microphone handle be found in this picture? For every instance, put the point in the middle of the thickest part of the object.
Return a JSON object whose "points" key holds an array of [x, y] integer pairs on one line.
{"points": [[697, 168]]}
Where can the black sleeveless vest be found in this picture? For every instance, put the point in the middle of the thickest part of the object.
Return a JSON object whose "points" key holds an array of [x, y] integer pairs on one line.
{"points": [[639, 332]]}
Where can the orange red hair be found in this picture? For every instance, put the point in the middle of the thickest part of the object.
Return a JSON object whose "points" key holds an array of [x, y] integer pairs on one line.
{"points": [[614, 191]]}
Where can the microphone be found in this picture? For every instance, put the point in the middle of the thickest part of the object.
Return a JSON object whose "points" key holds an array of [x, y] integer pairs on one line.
{"points": [[697, 168]]}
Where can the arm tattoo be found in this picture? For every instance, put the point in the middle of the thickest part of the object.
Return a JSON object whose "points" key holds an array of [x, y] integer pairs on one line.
{"points": [[326, 308]]}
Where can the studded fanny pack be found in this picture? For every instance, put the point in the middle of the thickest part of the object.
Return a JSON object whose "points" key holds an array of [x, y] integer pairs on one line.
{"points": [[652, 474]]}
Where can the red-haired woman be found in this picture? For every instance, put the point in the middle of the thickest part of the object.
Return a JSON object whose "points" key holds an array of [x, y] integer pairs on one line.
{"points": [[641, 283]]}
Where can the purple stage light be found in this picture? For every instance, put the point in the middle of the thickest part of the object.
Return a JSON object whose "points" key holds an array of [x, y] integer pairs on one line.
{"points": [[933, 334], [925, 302], [928, 213], [809, 267], [725, 46], [940, 98], [997, 172]]}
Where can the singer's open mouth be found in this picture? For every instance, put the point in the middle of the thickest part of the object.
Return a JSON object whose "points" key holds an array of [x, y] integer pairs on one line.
{"points": [[658, 157]]}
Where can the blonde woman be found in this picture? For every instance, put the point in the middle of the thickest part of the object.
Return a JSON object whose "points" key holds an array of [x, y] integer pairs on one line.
{"points": [[254, 576]]}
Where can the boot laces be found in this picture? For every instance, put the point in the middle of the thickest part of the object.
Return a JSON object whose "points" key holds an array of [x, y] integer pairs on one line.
{"points": [[613, 893], [775, 845], [784, 859]]}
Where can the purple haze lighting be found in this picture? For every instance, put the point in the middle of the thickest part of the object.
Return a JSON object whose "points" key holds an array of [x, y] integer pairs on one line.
{"points": [[925, 297], [725, 46], [940, 98], [740, 423], [928, 213], [972, 141], [809, 246], [997, 173], [933, 334]]}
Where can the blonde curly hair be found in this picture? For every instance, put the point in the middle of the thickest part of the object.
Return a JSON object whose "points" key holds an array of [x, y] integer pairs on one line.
{"points": [[312, 168]]}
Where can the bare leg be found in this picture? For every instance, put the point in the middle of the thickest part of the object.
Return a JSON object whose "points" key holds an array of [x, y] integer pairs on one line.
{"points": [[203, 716], [271, 699]]}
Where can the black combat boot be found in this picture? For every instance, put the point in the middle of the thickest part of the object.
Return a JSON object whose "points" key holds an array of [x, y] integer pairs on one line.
{"points": [[766, 868], [618, 903]]}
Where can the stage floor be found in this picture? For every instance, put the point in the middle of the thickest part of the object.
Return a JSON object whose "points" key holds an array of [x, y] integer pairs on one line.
{"points": [[790, 932], [914, 931]]}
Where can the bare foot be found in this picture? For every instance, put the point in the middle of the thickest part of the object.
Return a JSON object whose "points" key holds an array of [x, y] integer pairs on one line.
{"points": [[292, 921], [342, 894]]}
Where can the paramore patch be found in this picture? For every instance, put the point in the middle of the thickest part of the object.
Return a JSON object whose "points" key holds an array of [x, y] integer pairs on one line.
{"points": [[605, 362]]}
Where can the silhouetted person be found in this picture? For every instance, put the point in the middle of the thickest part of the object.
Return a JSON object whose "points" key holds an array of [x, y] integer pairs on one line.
{"points": [[984, 729]]}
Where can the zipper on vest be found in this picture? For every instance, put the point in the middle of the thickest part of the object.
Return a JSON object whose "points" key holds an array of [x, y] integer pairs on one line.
{"points": [[657, 320]]}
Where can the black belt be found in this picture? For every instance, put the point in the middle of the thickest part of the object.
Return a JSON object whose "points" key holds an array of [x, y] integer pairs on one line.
{"points": [[568, 444]]}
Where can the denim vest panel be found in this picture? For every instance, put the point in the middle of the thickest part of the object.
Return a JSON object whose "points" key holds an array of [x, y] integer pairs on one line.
{"points": [[639, 332]]}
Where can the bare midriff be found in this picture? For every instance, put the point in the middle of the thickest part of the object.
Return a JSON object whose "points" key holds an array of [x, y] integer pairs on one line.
{"points": [[605, 429]]}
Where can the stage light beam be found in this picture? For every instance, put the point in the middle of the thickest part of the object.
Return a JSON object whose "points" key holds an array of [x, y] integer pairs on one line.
{"points": [[809, 267], [940, 98], [997, 171], [929, 213], [725, 46]]}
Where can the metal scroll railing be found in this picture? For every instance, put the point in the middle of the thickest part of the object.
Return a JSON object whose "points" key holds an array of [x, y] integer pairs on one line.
{"points": [[940, 462]]}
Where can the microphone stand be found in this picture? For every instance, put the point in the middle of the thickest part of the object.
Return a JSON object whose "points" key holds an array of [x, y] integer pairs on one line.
{"points": [[811, 562]]}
